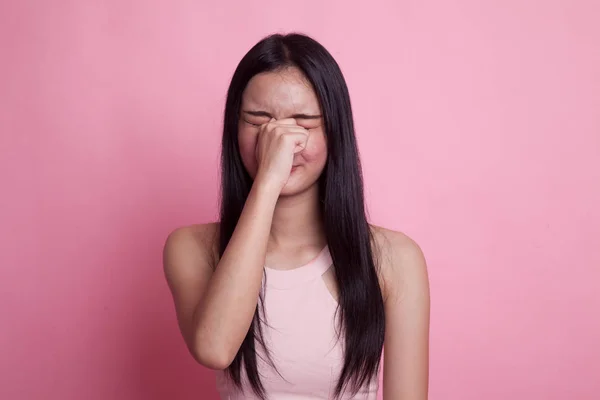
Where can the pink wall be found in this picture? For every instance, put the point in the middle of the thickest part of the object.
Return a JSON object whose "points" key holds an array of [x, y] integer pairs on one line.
{"points": [[479, 127]]}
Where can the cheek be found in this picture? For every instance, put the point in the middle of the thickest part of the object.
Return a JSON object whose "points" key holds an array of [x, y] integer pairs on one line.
{"points": [[247, 144], [316, 151]]}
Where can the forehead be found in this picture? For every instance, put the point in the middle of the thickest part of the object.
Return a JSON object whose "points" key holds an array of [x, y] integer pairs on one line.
{"points": [[281, 93]]}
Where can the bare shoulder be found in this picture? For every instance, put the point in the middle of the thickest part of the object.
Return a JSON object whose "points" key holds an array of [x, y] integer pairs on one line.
{"points": [[188, 263], [405, 289], [189, 246], [401, 262]]}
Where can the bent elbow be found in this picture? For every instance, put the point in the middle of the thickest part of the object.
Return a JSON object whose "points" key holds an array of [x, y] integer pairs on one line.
{"points": [[211, 357]]}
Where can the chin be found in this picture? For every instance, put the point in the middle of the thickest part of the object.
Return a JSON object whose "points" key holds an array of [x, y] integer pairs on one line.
{"points": [[289, 191], [295, 188]]}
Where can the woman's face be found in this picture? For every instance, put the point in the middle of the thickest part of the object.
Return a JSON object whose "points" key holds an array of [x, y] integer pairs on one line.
{"points": [[283, 94]]}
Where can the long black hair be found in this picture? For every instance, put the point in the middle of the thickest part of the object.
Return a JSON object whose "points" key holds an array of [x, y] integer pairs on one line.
{"points": [[360, 313]]}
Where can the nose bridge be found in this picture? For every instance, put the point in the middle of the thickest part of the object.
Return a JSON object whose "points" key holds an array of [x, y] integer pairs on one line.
{"points": [[281, 110]]}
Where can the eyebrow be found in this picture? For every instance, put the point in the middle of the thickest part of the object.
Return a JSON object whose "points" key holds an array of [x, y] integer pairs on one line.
{"points": [[295, 116]]}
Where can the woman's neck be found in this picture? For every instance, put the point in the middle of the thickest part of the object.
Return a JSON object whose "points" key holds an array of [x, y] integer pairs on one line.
{"points": [[297, 221]]}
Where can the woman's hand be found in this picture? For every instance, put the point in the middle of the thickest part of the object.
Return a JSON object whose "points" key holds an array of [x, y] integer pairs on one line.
{"points": [[278, 142]]}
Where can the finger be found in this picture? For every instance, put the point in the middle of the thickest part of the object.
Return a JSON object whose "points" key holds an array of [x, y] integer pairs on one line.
{"points": [[294, 130], [299, 148], [266, 124], [289, 130], [272, 120], [300, 141], [286, 121]]}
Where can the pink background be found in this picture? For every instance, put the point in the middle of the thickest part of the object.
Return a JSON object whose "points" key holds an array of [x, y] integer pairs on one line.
{"points": [[479, 128]]}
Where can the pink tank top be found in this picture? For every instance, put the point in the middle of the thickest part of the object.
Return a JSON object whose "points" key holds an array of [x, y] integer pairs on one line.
{"points": [[300, 335]]}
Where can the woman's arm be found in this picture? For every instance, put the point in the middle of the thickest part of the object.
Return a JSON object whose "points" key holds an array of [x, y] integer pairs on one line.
{"points": [[215, 309], [406, 284]]}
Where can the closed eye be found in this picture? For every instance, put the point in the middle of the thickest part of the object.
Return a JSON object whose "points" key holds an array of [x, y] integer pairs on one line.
{"points": [[309, 126], [306, 125]]}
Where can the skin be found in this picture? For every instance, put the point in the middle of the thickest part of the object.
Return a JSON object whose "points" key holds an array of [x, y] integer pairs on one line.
{"points": [[288, 98], [281, 225]]}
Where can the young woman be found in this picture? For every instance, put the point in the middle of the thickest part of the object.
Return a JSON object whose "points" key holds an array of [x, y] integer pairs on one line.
{"points": [[293, 294]]}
